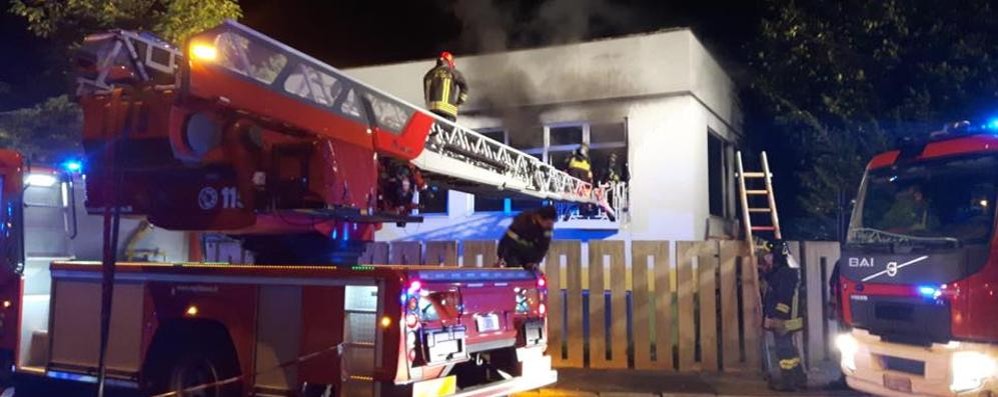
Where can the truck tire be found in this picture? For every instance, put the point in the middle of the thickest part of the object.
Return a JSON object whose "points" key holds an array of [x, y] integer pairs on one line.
{"points": [[209, 368]]}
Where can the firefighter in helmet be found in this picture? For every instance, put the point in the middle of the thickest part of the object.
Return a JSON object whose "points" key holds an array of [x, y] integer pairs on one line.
{"points": [[779, 306], [526, 242], [579, 165], [445, 88]]}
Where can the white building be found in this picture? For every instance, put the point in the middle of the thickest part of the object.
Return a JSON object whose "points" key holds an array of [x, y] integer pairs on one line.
{"points": [[660, 100]]}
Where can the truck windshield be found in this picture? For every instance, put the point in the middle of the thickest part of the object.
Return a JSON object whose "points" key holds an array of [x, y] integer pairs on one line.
{"points": [[945, 202]]}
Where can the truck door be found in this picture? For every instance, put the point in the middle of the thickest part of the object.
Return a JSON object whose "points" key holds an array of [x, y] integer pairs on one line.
{"points": [[11, 253], [47, 224]]}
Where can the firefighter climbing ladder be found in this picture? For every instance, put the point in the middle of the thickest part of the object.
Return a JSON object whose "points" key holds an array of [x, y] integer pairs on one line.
{"points": [[746, 193]]}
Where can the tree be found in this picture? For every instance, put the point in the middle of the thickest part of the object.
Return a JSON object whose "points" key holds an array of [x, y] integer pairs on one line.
{"points": [[174, 20], [44, 133], [835, 82], [51, 130]]}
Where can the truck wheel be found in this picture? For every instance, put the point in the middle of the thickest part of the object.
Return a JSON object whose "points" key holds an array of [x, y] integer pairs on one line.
{"points": [[206, 369]]}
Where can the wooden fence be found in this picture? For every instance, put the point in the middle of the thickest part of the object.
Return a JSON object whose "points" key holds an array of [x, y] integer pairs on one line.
{"points": [[673, 306]]}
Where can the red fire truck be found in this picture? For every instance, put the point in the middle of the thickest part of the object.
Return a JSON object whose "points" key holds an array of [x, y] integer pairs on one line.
{"points": [[241, 135], [919, 271]]}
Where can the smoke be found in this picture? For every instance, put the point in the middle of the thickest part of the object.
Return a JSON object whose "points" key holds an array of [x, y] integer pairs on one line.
{"points": [[499, 25]]}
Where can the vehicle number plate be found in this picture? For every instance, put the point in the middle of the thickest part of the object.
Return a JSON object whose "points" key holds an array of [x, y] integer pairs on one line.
{"points": [[488, 323], [897, 383]]}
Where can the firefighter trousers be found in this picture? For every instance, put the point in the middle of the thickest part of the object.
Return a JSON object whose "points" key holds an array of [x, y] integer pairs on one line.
{"points": [[792, 374]]}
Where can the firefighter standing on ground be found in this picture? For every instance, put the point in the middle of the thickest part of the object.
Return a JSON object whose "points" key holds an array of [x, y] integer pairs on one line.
{"points": [[445, 88], [781, 317], [527, 240]]}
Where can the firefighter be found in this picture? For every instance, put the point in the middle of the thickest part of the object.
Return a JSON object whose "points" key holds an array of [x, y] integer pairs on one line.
{"points": [[780, 314], [444, 88], [399, 181], [579, 165], [527, 240]]}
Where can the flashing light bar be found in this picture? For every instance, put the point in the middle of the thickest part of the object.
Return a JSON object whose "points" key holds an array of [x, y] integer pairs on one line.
{"points": [[476, 275]]}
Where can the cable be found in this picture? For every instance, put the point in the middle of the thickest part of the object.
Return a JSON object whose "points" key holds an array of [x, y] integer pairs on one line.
{"points": [[338, 348]]}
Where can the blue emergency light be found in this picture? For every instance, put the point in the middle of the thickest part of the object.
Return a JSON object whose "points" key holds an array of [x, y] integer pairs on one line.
{"points": [[73, 166], [929, 292]]}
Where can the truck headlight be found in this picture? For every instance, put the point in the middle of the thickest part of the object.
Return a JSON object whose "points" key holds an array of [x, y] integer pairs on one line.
{"points": [[848, 346], [970, 369]]}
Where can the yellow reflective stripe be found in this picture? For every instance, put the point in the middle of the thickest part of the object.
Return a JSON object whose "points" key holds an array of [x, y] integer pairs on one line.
{"points": [[782, 308], [443, 106], [790, 363], [445, 95], [580, 164], [795, 324], [516, 237]]}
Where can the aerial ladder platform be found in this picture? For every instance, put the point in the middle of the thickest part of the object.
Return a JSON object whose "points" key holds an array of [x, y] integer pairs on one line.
{"points": [[447, 153]]}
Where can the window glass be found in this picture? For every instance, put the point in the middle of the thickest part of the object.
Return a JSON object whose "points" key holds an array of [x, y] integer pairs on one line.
{"points": [[570, 135], [239, 55], [607, 133], [715, 174], [528, 138]]}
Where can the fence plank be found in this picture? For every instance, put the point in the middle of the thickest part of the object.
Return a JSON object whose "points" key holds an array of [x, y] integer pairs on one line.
{"points": [[751, 311], [707, 269], [440, 253], [575, 338], [652, 305], [729, 251], [479, 253], [618, 302], [376, 253], [571, 252], [686, 250], [406, 253], [597, 308], [816, 253]]}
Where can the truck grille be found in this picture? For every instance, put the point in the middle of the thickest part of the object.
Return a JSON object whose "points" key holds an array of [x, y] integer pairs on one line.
{"points": [[903, 320]]}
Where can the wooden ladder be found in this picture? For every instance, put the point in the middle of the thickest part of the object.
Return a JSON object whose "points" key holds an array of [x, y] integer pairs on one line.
{"points": [[769, 207]]}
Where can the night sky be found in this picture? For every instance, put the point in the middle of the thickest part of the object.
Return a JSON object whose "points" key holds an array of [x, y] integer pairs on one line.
{"points": [[359, 32]]}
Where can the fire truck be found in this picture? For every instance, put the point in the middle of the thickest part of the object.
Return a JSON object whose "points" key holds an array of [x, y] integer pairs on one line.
{"points": [[918, 273], [238, 134]]}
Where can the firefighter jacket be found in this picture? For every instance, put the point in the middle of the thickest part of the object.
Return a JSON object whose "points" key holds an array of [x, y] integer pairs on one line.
{"points": [[445, 89], [579, 167], [525, 241], [780, 299]]}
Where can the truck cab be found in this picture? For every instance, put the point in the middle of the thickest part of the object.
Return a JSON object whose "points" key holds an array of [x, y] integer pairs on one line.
{"points": [[919, 270]]}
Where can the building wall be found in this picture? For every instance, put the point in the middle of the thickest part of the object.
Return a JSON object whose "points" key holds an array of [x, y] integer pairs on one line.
{"points": [[666, 86]]}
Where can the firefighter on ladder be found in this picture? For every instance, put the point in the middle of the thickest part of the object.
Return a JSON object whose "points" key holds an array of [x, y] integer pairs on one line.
{"points": [[528, 238], [779, 306], [444, 88]]}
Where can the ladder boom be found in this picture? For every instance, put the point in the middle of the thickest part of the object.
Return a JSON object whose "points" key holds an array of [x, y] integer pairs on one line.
{"points": [[399, 128]]}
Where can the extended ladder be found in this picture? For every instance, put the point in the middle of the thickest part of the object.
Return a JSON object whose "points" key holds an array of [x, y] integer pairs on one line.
{"points": [[749, 208]]}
